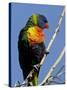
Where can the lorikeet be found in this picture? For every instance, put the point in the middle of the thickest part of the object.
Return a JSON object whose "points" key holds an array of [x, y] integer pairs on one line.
{"points": [[31, 45]]}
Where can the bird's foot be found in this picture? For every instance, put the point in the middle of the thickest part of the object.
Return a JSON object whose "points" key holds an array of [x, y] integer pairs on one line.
{"points": [[36, 67], [46, 53]]}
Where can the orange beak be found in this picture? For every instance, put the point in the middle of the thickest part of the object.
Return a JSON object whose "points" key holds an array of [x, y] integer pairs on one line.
{"points": [[46, 26]]}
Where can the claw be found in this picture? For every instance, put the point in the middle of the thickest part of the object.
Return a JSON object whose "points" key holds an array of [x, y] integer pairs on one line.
{"points": [[46, 53]]}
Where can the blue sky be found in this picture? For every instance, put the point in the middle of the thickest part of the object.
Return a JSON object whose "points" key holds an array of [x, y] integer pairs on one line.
{"points": [[19, 16]]}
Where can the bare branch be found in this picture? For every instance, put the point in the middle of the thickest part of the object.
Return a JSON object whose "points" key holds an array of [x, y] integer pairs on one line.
{"points": [[53, 66]]}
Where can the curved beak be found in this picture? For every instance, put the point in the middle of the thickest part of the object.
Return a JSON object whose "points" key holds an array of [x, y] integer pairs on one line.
{"points": [[46, 25]]}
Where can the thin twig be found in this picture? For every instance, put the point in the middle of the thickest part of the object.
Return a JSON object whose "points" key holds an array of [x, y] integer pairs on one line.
{"points": [[53, 66]]}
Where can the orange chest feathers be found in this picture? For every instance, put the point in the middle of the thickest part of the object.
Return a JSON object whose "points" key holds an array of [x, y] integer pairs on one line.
{"points": [[35, 35]]}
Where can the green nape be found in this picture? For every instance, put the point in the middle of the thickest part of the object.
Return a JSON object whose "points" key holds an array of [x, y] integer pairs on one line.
{"points": [[34, 19]]}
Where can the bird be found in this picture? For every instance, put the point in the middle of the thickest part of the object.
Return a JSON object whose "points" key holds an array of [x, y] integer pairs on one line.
{"points": [[31, 45]]}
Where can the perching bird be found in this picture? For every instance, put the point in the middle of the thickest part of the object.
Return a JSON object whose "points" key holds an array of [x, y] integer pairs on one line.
{"points": [[31, 45]]}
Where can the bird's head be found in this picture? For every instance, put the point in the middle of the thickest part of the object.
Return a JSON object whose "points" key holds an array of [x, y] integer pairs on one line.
{"points": [[38, 20]]}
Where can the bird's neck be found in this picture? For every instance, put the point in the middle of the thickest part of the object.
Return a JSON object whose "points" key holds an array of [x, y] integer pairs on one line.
{"points": [[30, 24]]}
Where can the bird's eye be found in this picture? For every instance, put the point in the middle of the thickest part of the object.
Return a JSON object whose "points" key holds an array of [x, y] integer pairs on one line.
{"points": [[45, 21]]}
